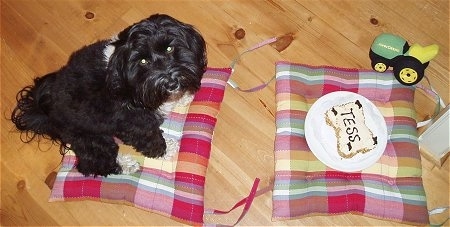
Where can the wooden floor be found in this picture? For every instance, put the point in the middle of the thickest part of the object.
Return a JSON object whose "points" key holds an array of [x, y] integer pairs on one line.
{"points": [[38, 36]]}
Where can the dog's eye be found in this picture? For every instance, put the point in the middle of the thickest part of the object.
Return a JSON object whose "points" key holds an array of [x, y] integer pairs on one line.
{"points": [[170, 49], [143, 61]]}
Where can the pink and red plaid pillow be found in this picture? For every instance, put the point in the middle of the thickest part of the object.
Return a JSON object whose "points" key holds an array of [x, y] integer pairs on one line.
{"points": [[174, 188], [390, 189]]}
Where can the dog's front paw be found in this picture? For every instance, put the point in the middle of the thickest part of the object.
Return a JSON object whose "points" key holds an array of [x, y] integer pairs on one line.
{"points": [[128, 163], [155, 148], [172, 148]]}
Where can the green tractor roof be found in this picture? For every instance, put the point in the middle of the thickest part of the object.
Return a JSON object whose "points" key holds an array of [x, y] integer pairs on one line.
{"points": [[388, 45]]}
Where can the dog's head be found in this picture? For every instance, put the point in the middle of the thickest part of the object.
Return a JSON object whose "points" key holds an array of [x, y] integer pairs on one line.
{"points": [[156, 60]]}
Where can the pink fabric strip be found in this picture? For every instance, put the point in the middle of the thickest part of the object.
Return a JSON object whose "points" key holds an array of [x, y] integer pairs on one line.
{"points": [[263, 43], [259, 87], [247, 201]]}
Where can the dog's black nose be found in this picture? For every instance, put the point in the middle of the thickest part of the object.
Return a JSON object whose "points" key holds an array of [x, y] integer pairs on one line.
{"points": [[172, 84]]}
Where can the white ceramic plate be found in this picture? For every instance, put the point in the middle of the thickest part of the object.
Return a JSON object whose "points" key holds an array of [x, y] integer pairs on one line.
{"points": [[322, 140]]}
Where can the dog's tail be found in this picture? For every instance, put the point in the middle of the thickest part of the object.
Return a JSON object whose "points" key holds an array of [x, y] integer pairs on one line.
{"points": [[30, 116]]}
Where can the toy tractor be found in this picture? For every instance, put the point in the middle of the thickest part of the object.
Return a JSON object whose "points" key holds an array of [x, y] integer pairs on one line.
{"points": [[408, 62]]}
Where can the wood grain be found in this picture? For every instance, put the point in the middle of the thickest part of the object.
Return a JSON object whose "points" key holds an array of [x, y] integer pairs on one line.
{"points": [[38, 36]]}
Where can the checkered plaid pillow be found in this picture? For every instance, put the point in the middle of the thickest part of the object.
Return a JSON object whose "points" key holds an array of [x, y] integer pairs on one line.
{"points": [[174, 188], [390, 189]]}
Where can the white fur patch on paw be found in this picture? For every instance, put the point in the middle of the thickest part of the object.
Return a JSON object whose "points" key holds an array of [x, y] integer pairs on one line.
{"points": [[128, 163], [172, 144], [172, 148], [186, 100], [165, 108]]}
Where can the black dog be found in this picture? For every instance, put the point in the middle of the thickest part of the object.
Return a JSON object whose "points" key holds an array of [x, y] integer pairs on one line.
{"points": [[114, 88]]}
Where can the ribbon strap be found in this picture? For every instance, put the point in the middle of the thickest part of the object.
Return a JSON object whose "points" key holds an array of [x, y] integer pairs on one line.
{"points": [[233, 84], [439, 102], [247, 201]]}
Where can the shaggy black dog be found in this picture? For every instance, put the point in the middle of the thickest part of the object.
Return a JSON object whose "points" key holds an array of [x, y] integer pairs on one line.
{"points": [[114, 88]]}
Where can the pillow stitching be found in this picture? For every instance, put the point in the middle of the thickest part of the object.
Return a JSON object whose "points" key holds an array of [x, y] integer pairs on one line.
{"points": [[196, 157], [156, 187]]}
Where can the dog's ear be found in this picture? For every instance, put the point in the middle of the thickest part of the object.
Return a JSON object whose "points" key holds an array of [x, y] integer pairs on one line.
{"points": [[115, 78], [194, 39], [122, 37], [197, 44]]}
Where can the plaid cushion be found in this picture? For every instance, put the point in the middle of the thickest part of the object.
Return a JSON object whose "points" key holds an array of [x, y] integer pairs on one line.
{"points": [[390, 189], [174, 188]]}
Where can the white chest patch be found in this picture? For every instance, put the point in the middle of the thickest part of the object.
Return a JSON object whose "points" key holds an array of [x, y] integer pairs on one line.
{"points": [[109, 49]]}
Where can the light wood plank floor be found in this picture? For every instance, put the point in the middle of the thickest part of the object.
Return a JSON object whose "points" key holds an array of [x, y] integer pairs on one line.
{"points": [[38, 36]]}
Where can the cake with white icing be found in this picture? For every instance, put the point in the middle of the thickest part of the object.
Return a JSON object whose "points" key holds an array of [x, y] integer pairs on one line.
{"points": [[352, 134]]}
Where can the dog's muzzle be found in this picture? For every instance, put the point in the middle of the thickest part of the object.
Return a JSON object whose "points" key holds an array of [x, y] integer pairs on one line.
{"points": [[172, 85]]}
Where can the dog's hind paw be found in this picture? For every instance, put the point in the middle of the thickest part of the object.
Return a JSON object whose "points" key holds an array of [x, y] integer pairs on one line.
{"points": [[128, 163]]}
